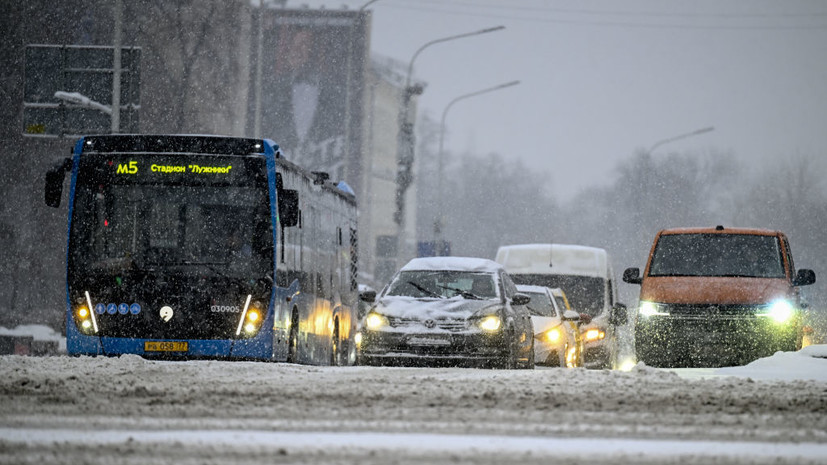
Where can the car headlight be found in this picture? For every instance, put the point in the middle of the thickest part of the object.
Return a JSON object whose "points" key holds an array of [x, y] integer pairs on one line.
{"points": [[649, 309], [553, 335], [375, 321], [781, 311], [490, 323], [594, 334]]}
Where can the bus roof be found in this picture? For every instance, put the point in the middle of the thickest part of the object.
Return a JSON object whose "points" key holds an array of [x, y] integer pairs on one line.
{"points": [[721, 230], [175, 143], [565, 259]]}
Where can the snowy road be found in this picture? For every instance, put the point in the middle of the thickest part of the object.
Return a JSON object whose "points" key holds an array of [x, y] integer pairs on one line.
{"points": [[129, 410]]}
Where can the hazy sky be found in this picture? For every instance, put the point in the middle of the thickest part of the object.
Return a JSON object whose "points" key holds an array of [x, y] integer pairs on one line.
{"points": [[602, 79]]}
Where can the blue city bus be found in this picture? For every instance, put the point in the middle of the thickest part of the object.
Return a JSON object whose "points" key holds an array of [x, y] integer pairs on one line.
{"points": [[186, 247]]}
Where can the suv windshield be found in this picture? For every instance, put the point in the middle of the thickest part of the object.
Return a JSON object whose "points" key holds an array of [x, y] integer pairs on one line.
{"points": [[736, 255], [444, 285]]}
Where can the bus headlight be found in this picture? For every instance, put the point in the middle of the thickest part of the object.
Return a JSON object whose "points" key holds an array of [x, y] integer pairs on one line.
{"points": [[251, 318], [781, 311], [374, 321], [84, 316]]}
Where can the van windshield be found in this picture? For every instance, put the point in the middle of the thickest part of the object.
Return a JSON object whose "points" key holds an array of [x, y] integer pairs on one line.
{"points": [[732, 255], [585, 293]]}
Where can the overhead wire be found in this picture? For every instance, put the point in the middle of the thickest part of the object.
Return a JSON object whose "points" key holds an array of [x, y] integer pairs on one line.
{"points": [[460, 8]]}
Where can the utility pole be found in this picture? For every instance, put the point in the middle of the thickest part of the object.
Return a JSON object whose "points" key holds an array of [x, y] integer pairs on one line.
{"points": [[116, 69]]}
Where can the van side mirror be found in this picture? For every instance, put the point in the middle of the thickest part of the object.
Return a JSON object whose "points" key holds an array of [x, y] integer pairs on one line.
{"points": [[804, 277], [54, 183], [288, 207], [520, 299], [632, 276], [619, 315]]}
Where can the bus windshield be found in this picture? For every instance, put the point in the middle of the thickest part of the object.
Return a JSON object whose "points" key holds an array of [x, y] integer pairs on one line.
{"points": [[734, 255], [207, 215]]}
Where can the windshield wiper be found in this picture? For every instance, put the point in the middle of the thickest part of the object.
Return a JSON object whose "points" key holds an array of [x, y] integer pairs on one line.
{"points": [[465, 294], [427, 291]]}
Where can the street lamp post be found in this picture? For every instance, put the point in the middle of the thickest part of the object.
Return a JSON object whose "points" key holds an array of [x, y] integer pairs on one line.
{"points": [[440, 156], [405, 139], [679, 137]]}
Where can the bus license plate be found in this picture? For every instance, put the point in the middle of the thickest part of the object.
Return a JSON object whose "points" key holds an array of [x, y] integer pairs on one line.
{"points": [[166, 346]]}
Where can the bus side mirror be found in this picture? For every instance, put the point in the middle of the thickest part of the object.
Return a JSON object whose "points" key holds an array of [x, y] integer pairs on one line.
{"points": [[632, 276], [288, 207], [54, 182], [804, 277]]}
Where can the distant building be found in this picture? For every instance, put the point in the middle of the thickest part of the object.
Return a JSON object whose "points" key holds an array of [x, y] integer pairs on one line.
{"points": [[204, 83], [381, 251]]}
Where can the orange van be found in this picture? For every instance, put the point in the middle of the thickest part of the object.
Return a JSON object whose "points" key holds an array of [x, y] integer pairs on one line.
{"points": [[717, 297]]}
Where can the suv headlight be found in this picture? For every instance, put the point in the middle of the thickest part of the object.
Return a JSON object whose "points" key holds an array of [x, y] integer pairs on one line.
{"points": [[781, 311], [648, 309]]}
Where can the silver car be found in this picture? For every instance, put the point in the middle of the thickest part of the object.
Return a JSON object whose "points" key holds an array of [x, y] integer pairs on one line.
{"points": [[448, 311]]}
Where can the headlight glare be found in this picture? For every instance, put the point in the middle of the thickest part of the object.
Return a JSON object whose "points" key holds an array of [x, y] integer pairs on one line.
{"points": [[553, 335], [375, 321], [491, 323], [594, 334], [781, 311], [649, 309]]}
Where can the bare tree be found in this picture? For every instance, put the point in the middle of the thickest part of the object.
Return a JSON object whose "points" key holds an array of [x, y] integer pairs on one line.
{"points": [[196, 54]]}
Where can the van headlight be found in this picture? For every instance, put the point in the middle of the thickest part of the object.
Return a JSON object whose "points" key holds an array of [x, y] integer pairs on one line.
{"points": [[594, 334], [781, 311], [649, 309]]}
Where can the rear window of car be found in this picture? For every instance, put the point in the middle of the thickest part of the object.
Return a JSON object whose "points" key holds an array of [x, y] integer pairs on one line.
{"points": [[724, 255], [540, 304]]}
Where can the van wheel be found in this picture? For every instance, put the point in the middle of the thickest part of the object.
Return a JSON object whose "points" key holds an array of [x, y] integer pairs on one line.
{"points": [[334, 347]]}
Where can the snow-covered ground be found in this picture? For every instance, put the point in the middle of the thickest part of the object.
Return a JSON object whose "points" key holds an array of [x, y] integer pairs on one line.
{"points": [[130, 410]]}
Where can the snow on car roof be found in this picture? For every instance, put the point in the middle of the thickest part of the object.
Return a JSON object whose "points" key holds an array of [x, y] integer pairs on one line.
{"points": [[453, 264], [532, 288], [566, 259]]}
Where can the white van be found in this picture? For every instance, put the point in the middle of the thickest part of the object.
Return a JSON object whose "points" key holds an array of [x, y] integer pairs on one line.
{"points": [[586, 276]]}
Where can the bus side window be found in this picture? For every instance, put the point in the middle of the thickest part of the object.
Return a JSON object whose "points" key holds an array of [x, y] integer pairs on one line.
{"points": [[288, 207]]}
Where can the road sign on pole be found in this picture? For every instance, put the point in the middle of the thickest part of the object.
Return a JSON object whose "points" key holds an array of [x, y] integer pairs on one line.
{"points": [[84, 72]]}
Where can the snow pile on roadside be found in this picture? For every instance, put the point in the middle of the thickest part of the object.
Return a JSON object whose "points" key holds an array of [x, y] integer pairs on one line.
{"points": [[40, 333], [809, 363]]}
